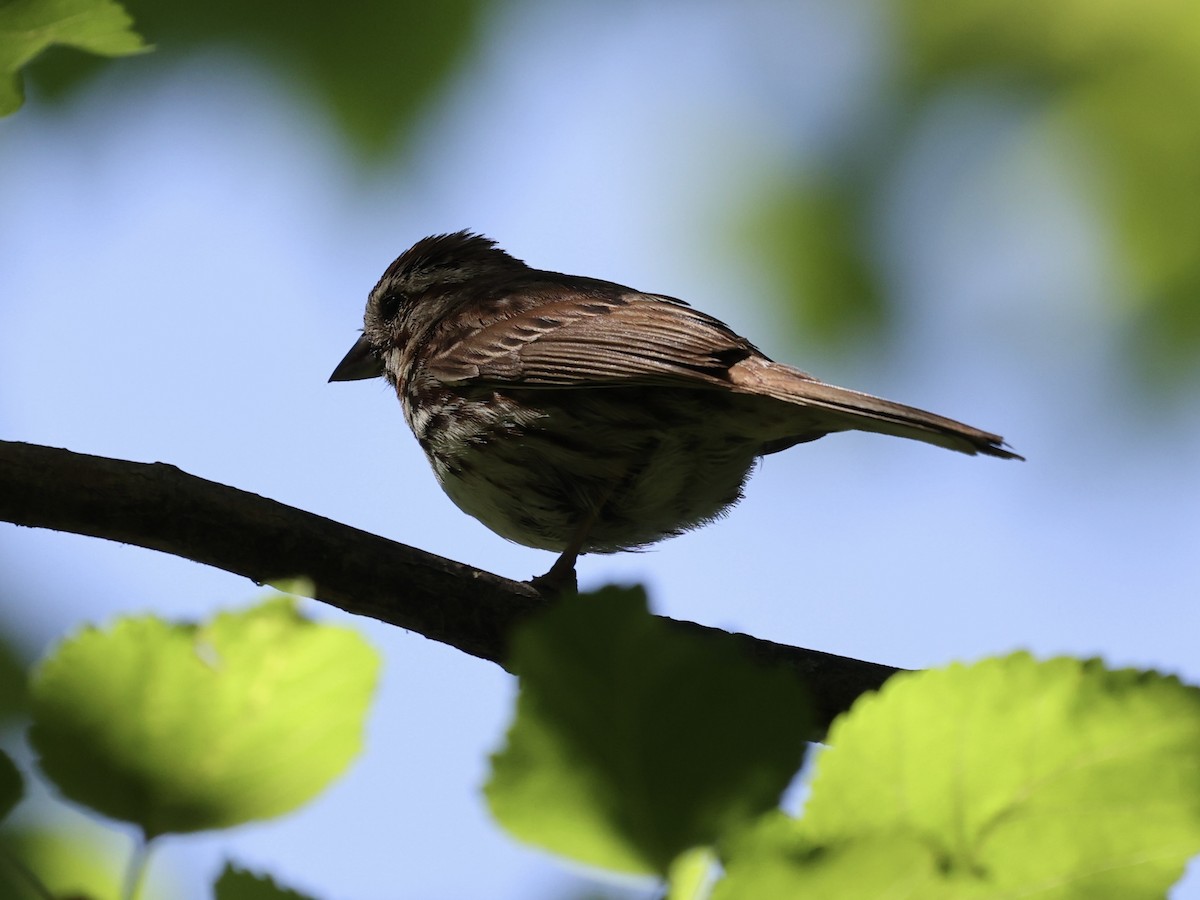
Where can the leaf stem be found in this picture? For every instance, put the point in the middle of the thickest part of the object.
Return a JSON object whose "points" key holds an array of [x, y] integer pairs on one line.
{"points": [[135, 871]]}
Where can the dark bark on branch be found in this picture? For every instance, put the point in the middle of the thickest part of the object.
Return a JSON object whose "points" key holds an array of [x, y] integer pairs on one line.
{"points": [[160, 507]]}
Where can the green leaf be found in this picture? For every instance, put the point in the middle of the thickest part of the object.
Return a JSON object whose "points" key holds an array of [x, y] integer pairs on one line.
{"points": [[68, 860], [376, 66], [776, 860], [180, 727], [12, 674], [634, 741], [12, 786], [238, 884], [691, 874], [1007, 778], [27, 27]]}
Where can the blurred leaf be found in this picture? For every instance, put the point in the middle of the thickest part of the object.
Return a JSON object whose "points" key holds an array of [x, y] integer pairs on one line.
{"points": [[27, 27], [238, 884], [12, 786], [1151, 155], [1006, 778], [634, 742], [1052, 45], [1166, 333], [375, 64], [1121, 75], [13, 699], [807, 237], [691, 874], [182, 727], [67, 862], [775, 859]]}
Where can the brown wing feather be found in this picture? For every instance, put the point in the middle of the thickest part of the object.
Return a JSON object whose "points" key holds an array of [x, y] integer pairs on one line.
{"points": [[630, 339], [839, 409], [625, 339]]}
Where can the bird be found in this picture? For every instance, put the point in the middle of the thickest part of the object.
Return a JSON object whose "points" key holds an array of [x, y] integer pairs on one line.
{"points": [[577, 415]]}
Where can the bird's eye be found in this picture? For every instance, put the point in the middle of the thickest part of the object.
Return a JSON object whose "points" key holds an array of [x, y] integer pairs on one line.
{"points": [[389, 305]]}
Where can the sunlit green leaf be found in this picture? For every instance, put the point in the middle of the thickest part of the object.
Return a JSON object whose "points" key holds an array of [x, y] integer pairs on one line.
{"points": [[691, 874], [69, 862], [27, 27], [634, 742], [1003, 779], [776, 859], [239, 884], [181, 727]]}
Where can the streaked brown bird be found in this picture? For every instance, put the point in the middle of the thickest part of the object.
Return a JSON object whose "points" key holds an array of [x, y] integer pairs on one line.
{"points": [[581, 416]]}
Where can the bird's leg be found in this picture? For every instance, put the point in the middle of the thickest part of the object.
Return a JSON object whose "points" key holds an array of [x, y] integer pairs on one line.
{"points": [[561, 578]]}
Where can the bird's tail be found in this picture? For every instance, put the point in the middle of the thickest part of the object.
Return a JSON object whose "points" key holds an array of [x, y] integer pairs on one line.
{"points": [[828, 408]]}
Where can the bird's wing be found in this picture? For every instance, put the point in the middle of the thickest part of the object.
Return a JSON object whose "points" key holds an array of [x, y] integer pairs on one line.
{"points": [[613, 339], [605, 339]]}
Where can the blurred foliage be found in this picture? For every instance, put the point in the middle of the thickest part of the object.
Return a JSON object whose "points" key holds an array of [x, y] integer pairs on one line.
{"points": [[813, 236], [27, 27], [68, 863], [691, 874], [638, 748], [13, 696], [239, 884], [1127, 77], [181, 727], [1006, 778], [374, 64], [1123, 77], [634, 742], [12, 786]]}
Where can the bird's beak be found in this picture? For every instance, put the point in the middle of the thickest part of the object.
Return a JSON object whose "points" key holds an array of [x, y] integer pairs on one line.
{"points": [[361, 362]]}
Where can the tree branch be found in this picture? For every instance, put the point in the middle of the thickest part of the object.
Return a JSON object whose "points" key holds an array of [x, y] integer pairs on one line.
{"points": [[160, 507]]}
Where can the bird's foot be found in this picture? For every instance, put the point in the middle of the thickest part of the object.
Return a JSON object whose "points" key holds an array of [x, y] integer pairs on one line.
{"points": [[560, 581]]}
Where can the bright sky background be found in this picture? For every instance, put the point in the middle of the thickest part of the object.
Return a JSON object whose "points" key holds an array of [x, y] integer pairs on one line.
{"points": [[183, 263]]}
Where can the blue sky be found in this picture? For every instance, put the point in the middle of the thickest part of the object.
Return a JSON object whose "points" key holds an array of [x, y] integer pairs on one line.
{"points": [[183, 262]]}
